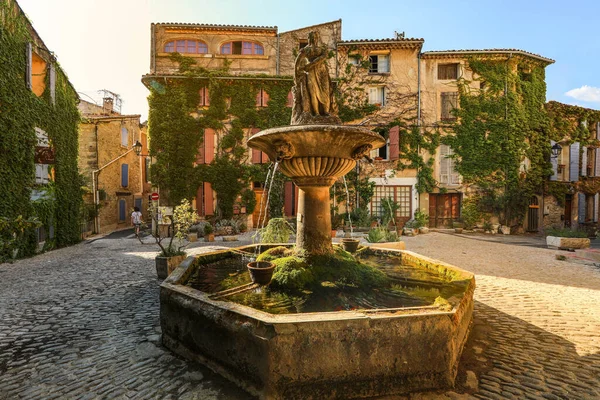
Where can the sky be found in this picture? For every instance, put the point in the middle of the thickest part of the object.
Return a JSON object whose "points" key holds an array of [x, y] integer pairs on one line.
{"points": [[106, 44]]}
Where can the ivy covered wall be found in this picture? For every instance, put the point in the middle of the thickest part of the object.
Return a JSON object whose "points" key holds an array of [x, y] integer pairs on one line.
{"points": [[21, 111]]}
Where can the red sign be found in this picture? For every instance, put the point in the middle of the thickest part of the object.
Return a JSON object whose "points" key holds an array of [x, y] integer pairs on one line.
{"points": [[154, 196]]}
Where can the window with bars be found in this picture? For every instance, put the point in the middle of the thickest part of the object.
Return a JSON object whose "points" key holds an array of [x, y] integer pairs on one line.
{"points": [[379, 64], [448, 174], [186, 47], [399, 194], [447, 71], [242, 48], [449, 102]]}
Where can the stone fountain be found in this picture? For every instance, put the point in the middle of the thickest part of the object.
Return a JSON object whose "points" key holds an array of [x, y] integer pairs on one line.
{"points": [[352, 353]]}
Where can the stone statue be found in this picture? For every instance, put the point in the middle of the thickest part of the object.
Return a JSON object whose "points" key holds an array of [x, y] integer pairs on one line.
{"points": [[314, 102]]}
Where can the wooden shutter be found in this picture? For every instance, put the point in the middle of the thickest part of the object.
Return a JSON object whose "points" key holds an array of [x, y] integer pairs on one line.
{"points": [[53, 83], [256, 156], [574, 162], [288, 196], [201, 97], [554, 162], [200, 156], [383, 64], [208, 199], [584, 161], [206, 96], [264, 158], [444, 170], [581, 207], [28, 71], [200, 200], [265, 98], [394, 143], [124, 175], [290, 99], [209, 145], [258, 98], [373, 95]]}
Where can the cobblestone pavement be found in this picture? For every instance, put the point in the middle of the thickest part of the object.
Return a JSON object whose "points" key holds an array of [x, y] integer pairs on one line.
{"points": [[82, 322]]}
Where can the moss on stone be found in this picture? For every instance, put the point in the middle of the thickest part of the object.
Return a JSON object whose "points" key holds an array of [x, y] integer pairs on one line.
{"points": [[297, 271]]}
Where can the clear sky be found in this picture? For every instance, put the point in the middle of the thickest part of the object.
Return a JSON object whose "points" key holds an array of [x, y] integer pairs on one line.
{"points": [[105, 44]]}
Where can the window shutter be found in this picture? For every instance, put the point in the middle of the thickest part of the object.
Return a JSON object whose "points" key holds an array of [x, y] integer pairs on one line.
{"points": [[444, 165], [581, 207], [554, 162], [574, 162], [201, 97], [383, 64], [122, 210], [584, 161], [373, 95], [208, 199], [258, 98], [265, 98], [28, 72], [290, 99], [209, 145], [256, 156], [597, 163], [596, 204], [200, 157], [394, 143], [206, 96], [124, 175], [288, 198], [53, 83], [264, 158]]}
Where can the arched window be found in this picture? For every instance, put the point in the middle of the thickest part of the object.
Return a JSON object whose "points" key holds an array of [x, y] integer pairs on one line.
{"points": [[244, 48], [186, 46]]}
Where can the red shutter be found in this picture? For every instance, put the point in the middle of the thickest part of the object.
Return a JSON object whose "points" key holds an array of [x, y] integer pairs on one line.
{"points": [[208, 199], [394, 143], [201, 97], [265, 98], [296, 189], [290, 99], [255, 156], [199, 201], [200, 155], [258, 103], [209, 145], [206, 97], [264, 157], [288, 197]]}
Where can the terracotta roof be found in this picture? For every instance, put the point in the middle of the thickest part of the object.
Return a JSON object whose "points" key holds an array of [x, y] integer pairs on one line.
{"points": [[386, 40], [216, 26], [436, 53]]}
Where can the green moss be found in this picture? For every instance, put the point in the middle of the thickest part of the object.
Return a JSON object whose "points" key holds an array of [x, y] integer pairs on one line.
{"points": [[274, 253], [292, 273]]}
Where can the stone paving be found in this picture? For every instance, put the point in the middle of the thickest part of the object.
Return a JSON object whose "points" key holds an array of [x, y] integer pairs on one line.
{"points": [[82, 323]]}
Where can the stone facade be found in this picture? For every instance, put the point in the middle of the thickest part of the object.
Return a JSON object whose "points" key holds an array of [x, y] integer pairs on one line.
{"points": [[105, 144]]}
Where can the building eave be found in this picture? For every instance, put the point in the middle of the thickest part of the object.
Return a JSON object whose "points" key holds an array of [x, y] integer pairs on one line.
{"points": [[498, 52]]}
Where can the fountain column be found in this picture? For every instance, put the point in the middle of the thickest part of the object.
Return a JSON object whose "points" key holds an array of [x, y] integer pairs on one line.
{"points": [[313, 232]]}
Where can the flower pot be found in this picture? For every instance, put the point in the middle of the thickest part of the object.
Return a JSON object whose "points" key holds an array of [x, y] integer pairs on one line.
{"points": [[458, 230], [166, 265], [192, 236], [261, 272], [209, 237], [350, 245], [333, 233]]}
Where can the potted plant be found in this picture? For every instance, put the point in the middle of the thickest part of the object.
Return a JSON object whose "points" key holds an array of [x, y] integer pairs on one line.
{"points": [[172, 250], [209, 236], [458, 227], [422, 221]]}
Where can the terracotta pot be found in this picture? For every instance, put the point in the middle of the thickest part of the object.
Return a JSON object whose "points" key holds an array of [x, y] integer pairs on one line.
{"points": [[333, 233], [350, 245], [261, 272], [210, 237], [166, 265]]}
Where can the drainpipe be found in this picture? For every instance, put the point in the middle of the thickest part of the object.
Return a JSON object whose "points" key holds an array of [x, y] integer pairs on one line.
{"points": [[277, 57]]}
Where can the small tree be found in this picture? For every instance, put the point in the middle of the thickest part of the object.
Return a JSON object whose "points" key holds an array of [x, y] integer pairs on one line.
{"points": [[184, 217]]}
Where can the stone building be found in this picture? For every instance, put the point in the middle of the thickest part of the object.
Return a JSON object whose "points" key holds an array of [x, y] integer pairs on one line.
{"points": [[388, 83], [107, 157], [38, 125]]}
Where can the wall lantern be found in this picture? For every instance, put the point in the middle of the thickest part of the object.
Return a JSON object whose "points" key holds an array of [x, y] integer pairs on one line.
{"points": [[137, 147], [556, 150]]}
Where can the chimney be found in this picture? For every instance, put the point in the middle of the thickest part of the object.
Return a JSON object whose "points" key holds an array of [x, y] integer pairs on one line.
{"points": [[107, 106]]}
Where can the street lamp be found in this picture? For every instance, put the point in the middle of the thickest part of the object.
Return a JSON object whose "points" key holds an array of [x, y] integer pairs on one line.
{"points": [[137, 147], [556, 150]]}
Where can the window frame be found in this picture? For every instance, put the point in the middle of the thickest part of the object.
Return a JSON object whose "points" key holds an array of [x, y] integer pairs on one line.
{"points": [[256, 48], [124, 135], [448, 117], [377, 69], [381, 96], [175, 46], [447, 67], [398, 193]]}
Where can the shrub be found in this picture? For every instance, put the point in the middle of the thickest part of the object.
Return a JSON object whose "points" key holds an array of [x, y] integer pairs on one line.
{"points": [[565, 232], [278, 230], [421, 219]]}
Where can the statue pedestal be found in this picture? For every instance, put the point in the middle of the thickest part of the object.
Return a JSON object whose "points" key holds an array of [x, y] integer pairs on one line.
{"points": [[314, 220]]}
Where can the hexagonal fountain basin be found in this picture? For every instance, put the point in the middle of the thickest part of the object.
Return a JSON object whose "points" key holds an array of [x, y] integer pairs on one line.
{"points": [[344, 344]]}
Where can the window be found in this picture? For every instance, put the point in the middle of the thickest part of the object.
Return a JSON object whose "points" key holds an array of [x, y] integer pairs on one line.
{"points": [[379, 64], [448, 174], [354, 60], [449, 102], [124, 137], [122, 210], [35, 76], [377, 95], [399, 194], [448, 71], [262, 98], [381, 153], [302, 43], [187, 47], [124, 175], [204, 97], [290, 99], [42, 174], [245, 48]]}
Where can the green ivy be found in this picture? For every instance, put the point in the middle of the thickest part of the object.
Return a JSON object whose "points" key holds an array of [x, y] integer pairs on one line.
{"points": [[20, 112]]}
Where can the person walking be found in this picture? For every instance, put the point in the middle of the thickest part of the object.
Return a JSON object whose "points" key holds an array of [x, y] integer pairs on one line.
{"points": [[136, 220]]}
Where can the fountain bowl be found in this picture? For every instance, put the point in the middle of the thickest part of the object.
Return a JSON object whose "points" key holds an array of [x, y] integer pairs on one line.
{"points": [[318, 355]]}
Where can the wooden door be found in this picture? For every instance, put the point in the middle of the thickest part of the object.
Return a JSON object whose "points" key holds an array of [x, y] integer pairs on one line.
{"points": [[255, 215], [568, 210], [444, 209], [533, 214]]}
